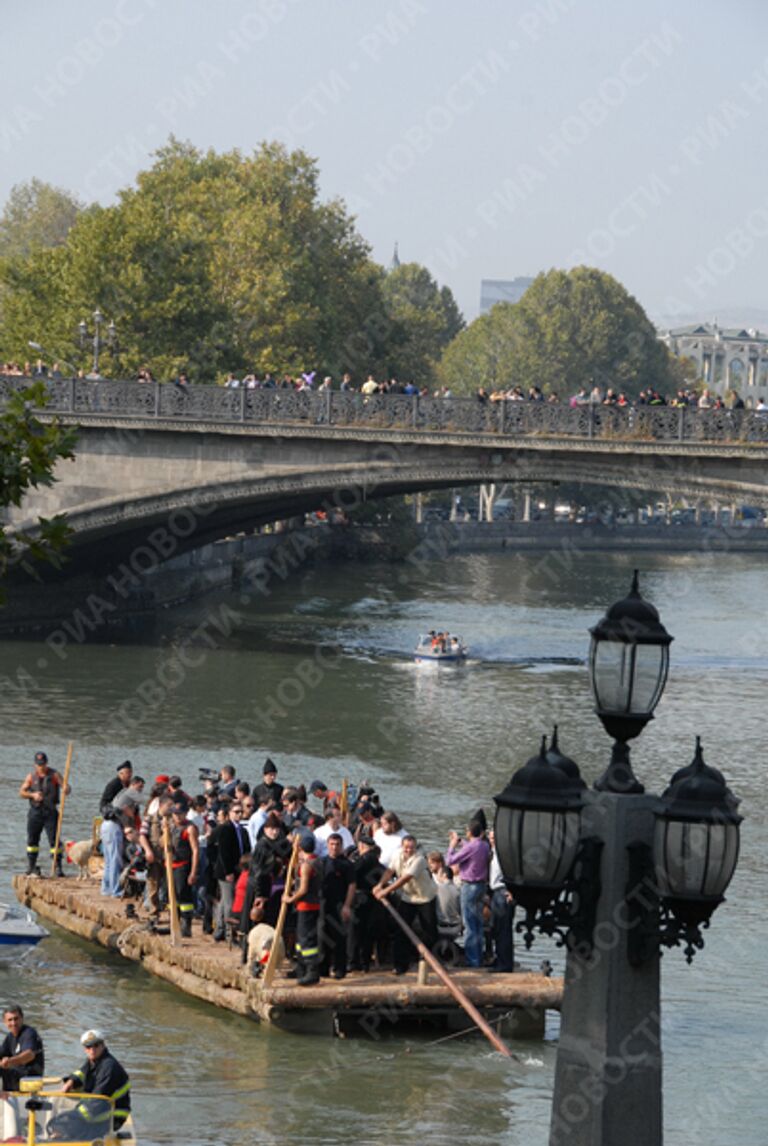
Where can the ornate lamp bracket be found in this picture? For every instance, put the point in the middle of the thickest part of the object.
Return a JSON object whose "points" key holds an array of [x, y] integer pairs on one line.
{"points": [[569, 917], [651, 921]]}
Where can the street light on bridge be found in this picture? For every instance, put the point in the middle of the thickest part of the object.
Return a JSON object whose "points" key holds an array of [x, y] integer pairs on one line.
{"points": [[616, 874], [96, 340]]}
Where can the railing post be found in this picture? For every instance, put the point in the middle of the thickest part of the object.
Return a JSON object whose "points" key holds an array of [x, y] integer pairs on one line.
{"points": [[591, 421], [415, 412], [681, 424], [72, 395], [242, 402], [328, 397], [157, 399], [502, 414]]}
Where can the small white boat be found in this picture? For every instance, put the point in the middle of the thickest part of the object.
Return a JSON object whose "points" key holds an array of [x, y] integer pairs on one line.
{"points": [[440, 648], [19, 932]]}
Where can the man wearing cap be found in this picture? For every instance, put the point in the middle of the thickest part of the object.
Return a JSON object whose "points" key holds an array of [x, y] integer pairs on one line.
{"points": [[185, 859], [101, 1073], [270, 786], [42, 788], [117, 784]]}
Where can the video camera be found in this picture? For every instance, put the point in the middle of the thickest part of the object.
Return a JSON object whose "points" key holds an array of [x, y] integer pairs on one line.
{"points": [[208, 774]]}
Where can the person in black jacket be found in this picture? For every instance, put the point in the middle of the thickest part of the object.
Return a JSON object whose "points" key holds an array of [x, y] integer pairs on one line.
{"points": [[101, 1073], [270, 786], [369, 928], [21, 1051], [338, 892], [231, 842], [121, 780]]}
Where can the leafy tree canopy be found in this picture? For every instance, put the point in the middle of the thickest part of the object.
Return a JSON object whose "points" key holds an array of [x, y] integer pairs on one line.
{"points": [[570, 329], [29, 450], [36, 215], [212, 262], [426, 319]]}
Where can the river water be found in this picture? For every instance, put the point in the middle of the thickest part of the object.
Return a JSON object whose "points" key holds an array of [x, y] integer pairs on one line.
{"points": [[315, 673]]}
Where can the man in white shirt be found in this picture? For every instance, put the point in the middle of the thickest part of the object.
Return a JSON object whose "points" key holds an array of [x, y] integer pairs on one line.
{"points": [[388, 837], [332, 824], [255, 822]]}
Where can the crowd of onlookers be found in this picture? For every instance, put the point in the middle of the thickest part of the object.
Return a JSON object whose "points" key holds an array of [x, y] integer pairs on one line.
{"points": [[233, 879], [703, 399]]}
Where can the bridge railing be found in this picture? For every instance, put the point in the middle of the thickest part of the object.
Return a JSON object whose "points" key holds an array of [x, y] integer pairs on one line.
{"points": [[217, 405]]}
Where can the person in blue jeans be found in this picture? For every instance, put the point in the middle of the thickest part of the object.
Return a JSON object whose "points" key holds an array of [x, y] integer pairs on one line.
{"points": [[472, 857]]}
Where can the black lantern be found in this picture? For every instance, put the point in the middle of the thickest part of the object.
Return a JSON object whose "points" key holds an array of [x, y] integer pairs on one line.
{"points": [[628, 665], [537, 829], [696, 846]]}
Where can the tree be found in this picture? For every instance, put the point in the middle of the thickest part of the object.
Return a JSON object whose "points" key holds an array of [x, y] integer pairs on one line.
{"points": [[36, 214], [29, 450], [212, 262], [483, 354], [426, 318], [576, 328]]}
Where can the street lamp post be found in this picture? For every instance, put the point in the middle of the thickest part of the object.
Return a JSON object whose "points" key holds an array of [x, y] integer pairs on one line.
{"points": [[616, 874], [96, 340]]}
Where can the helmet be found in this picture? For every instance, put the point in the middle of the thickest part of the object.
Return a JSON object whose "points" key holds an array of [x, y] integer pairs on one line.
{"points": [[41, 758]]}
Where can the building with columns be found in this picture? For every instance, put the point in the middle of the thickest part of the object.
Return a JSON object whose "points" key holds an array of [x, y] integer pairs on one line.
{"points": [[725, 358]]}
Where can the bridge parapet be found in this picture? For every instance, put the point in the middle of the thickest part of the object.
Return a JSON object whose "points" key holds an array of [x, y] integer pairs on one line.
{"points": [[217, 406]]}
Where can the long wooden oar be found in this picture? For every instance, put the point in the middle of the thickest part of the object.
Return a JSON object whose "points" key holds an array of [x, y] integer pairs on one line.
{"points": [[344, 802], [271, 967], [54, 857], [172, 907], [457, 992]]}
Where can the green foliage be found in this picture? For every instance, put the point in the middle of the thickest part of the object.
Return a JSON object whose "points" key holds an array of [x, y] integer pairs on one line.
{"points": [[570, 329], [29, 451], [426, 318], [210, 263], [36, 215]]}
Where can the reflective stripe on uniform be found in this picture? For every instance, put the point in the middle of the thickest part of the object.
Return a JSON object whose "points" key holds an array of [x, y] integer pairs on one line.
{"points": [[31, 849], [307, 950], [121, 1090]]}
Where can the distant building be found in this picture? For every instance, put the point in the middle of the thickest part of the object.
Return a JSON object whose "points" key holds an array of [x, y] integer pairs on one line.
{"points": [[395, 260], [501, 290], [725, 359]]}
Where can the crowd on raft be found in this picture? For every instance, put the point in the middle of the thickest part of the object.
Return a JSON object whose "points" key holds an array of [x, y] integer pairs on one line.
{"points": [[230, 849]]}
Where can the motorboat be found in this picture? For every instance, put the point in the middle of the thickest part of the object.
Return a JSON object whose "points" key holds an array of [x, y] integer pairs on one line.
{"points": [[40, 1111], [440, 648], [19, 932]]}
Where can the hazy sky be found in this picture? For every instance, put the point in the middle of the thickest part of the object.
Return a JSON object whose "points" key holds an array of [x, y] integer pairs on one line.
{"points": [[491, 140]]}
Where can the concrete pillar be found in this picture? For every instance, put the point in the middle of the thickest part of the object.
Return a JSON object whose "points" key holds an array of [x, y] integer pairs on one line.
{"points": [[527, 505], [454, 514], [418, 508], [608, 1073], [698, 513], [485, 502]]}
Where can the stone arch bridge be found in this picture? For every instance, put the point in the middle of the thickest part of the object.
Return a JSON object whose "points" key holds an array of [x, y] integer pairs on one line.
{"points": [[198, 464]]}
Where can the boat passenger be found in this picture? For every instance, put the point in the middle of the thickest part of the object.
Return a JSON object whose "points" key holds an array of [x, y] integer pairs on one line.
{"points": [[388, 837], [120, 781], [409, 875], [473, 859], [338, 891], [332, 824], [21, 1051], [307, 900], [269, 786], [185, 859], [101, 1073], [42, 788]]}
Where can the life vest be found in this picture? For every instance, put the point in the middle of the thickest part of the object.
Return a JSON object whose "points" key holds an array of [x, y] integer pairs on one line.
{"points": [[310, 901], [48, 785], [181, 848]]}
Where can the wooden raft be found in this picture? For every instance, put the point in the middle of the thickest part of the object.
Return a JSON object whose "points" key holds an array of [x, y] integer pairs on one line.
{"points": [[362, 1003]]}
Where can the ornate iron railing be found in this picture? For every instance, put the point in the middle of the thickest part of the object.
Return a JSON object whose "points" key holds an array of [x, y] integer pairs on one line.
{"points": [[216, 405]]}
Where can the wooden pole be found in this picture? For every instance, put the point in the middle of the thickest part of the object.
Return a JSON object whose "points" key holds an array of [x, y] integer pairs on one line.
{"points": [[456, 991], [271, 967], [344, 802], [54, 857], [172, 906]]}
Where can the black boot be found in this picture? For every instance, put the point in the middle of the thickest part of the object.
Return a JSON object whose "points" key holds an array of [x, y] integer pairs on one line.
{"points": [[311, 974], [186, 927], [32, 868]]}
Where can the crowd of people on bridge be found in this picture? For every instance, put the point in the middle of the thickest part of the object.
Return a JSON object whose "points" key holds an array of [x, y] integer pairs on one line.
{"points": [[703, 399], [230, 845]]}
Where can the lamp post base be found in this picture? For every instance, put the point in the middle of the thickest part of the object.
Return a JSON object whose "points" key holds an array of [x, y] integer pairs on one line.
{"points": [[609, 1067]]}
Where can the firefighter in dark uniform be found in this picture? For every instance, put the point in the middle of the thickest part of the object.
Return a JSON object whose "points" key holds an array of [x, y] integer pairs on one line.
{"points": [[185, 859], [42, 788], [101, 1073], [306, 897]]}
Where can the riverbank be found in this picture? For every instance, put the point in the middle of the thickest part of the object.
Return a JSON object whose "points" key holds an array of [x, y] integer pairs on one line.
{"points": [[90, 608]]}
